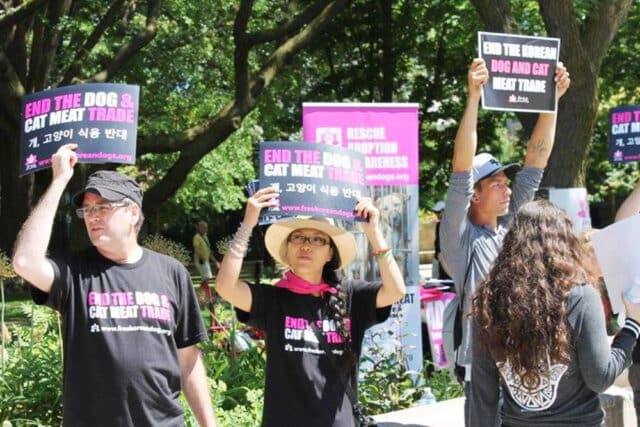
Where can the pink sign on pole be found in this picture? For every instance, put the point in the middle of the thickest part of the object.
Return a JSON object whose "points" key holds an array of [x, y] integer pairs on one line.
{"points": [[387, 134], [433, 302]]}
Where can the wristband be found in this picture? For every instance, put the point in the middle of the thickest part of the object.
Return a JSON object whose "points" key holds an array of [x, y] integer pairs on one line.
{"points": [[239, 246], [632, 326], [381, 253]]}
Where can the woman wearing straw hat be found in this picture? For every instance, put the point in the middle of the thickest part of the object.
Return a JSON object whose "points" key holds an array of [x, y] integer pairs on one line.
{"points": [[314, 322]]}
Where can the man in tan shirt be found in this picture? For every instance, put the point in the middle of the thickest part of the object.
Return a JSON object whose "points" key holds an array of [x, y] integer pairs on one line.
{"points": [[202, 258]]}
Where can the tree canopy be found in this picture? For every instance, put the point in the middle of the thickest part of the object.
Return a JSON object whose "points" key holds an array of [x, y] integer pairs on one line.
{"points": [[218, 77]]}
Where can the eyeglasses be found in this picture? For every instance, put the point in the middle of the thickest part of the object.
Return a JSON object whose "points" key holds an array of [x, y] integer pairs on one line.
{"points": [[100, 208], [299, 239]]}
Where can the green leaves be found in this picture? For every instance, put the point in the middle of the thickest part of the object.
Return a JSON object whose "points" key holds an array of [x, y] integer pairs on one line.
{"points": [[31, 382]]}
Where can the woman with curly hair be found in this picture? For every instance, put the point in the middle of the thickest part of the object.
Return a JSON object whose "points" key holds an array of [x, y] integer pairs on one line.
{"points": [[539, 330]]}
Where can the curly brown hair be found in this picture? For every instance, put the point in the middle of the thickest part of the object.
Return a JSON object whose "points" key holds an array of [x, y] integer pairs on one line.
{"points": [[520, 308]]}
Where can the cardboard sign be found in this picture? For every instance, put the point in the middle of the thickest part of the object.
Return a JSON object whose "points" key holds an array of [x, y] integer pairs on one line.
{"points": [[312, 180], [521, 72], [101, 118], [624, 140], [616, 248]]}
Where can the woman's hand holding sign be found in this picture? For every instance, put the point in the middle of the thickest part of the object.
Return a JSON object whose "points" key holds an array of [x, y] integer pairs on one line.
{"points": [[263, 198]]}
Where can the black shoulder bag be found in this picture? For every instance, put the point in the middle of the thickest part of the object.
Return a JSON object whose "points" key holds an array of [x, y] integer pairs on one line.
{"points": [[358, 410]]}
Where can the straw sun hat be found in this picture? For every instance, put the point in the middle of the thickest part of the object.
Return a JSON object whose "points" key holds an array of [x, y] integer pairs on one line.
{"points": [[275, 238]]}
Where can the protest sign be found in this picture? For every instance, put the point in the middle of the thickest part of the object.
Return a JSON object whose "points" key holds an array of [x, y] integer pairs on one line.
{"points": [[312, 180], [521, 72], [616, 250], [624, 140], [100, 117]]}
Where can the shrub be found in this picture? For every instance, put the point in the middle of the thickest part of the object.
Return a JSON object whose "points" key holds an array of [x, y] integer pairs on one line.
{"points": [[6, 270], [389, 386], [158, 243], [31, 381]]}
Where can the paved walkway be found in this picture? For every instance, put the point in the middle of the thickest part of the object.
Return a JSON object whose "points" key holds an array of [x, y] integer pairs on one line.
{"points": [[616, 401]]}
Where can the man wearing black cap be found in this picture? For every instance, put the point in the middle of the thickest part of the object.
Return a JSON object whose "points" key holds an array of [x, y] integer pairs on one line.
{"points": [[131, 320], [480, 204]]}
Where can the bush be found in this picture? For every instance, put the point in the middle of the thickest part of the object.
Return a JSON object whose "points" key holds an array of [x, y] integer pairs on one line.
{"points": [[6, 270], [389, 386], [31, 380], [158, 243]]}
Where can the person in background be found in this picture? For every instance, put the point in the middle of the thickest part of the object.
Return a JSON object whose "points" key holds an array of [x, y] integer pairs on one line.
{"points": [[539, 337], [130, 318], [202, 259], [202, 254], [313, 320]]}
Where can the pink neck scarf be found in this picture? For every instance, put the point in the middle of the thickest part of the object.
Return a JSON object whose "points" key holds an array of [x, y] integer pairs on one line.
{"points": [[300, 286]]}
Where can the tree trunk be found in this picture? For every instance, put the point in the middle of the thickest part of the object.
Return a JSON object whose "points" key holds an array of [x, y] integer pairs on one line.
{"points": [[577, 115], [388, 59]]}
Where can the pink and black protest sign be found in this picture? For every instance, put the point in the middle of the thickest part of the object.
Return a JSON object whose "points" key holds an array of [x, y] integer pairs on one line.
{"points": [[624, 142], [101, 118], [312, 179], [521, 72]]}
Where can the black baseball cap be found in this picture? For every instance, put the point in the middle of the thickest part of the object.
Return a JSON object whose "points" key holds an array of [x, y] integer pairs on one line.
{"points": [[112, 186]]}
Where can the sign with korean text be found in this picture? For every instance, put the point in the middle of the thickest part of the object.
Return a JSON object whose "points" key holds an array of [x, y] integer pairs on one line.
{"points": [[624, 142], [313, 179], [521, 72], [100, 117]]}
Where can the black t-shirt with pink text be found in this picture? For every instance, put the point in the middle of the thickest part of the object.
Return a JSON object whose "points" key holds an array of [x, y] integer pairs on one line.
{"points": [[122, 327], [302, 386]]}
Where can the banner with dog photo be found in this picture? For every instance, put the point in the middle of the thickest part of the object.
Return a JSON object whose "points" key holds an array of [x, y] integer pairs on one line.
{"points": [[387, 135]]}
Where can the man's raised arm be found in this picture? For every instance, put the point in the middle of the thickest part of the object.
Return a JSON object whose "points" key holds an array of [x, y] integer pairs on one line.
{"points": [[464, 147], [29, 257]]}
